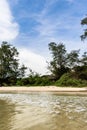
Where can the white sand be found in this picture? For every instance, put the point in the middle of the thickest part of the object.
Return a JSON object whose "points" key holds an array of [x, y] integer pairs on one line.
{"points": [[60, 90]]}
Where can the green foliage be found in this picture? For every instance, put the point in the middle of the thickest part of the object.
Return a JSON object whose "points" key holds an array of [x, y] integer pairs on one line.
{"points": [[8, 61], [81, 72], [22, 81], [84, 59], [34, 81], [84, 22], [62, 62], [22, 70], [68, 80], [58, 65], [37, 80], [42, 81], [73, 59], [9, 64], [68, 69]]}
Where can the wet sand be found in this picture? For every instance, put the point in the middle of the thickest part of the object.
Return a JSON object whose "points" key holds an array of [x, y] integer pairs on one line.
{"points": [[59, 90]]}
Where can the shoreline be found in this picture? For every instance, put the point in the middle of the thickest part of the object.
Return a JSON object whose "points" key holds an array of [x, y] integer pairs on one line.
{"points": [[54, 89]]}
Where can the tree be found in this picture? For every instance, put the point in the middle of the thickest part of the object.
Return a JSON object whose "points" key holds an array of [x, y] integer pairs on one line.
{"points": [[84, 22], [73, 59], [58, 65], [8, 62], [22, 71], [84, 59], [82, 69]]}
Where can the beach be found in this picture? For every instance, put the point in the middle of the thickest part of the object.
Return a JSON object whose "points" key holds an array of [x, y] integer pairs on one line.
{"points": [[59, 90]]}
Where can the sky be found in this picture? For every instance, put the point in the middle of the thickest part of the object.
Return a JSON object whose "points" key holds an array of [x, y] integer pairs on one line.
{"points": [[30, 25]]}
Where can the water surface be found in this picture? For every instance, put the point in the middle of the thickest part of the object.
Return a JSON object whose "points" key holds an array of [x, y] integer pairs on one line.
{"points": [[42, 111]]}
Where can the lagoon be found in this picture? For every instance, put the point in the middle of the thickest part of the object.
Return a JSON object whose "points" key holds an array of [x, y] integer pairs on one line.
{"points": [[42, 111]]}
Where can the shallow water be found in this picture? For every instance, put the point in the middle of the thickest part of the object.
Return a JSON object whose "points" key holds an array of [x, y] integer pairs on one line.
{"points": [[42, 111]]}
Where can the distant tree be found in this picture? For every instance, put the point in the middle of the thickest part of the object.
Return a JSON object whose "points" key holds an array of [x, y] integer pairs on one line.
{"points": [[84, 59], [8, 62], [33, 77], [82, 69], [73, 59], [58, 65], [84, 22], [22, 71]]}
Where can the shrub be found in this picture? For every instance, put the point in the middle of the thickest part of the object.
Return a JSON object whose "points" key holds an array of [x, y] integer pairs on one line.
{"points": [[22, 82], [68, 80], [40, 81]]}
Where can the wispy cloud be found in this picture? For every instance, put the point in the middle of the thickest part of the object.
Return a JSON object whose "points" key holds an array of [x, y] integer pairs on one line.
{"points": [[50, 25], [55, 26], [8, 27], [41, 22]]}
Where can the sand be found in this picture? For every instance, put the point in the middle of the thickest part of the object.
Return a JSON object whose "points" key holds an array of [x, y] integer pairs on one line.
{"points": [[59, 90]]}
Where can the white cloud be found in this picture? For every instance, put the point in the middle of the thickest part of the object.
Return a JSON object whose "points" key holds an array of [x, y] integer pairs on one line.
{"points": [[46, 26], [8, 28], [32, 60], [48, 29]]}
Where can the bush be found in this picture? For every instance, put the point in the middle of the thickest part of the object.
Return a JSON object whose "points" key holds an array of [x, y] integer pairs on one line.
{"points": [[40, 81], [34, 80], [22, 82], [68, 80]]}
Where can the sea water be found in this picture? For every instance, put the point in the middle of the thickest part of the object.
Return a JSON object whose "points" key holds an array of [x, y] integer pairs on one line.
{"points": [[42, 111]]}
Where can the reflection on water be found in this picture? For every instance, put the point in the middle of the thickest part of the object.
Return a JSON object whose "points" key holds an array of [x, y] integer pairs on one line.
{"points": [[6, 115], [42, 111]]}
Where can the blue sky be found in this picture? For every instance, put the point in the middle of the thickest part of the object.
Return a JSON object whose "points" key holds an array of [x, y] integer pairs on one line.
{"points": [[31, 24]]}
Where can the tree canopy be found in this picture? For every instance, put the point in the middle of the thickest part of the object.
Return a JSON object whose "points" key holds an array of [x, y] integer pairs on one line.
{"points": [[84, 22], [63, 62], [9, 63], [58, 65]]}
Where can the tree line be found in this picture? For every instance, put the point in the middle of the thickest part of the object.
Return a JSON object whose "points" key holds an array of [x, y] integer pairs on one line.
{"points": [[67, 69]]}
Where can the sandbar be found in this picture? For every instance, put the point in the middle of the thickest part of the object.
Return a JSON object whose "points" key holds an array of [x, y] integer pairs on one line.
{"points": [[59, 90]]}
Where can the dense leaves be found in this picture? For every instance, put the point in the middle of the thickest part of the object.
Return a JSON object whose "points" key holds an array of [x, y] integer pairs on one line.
{"points": [[71, 63], [58, 65], [9, 64], [68, 79], [84, 22]]}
